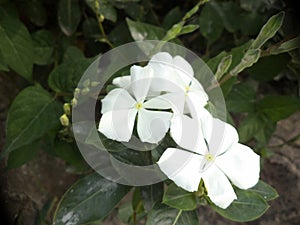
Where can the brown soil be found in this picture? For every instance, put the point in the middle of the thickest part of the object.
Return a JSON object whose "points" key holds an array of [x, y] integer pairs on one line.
{"points": [[25, 190]]}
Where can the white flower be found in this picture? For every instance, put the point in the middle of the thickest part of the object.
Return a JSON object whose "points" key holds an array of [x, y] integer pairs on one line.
{"points": [[176, 77], [121, 107], [217, 159]]}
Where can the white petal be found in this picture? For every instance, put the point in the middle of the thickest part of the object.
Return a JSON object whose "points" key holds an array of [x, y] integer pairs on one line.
{"points": [[140, 81], [219, 136], [118, 125], [182, 167], [218, 187], [176, 100], [122, 82], [157, 103], [117, 99], [183, 69], [187, 133], [241, 165], [152, 125], [196, 99]]}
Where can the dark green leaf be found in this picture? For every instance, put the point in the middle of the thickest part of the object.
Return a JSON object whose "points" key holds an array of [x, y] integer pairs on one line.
{"points": [[88, 200], [178, 198], [65, 77], [286, 46], [254, 22], [43, 42], [279, 107], [172, 17], [33, 112], [35, 11], [69, 16], [3, 65], [268, 67], [264, 190], [16, 46], [241, 99], [248, 206], [165, 215], [211, 25], [90, 28], [266, 129], [268, 30], [143, 31], [22, 155], [104, 8], [73, 54], [215, 61], [151, 195]]}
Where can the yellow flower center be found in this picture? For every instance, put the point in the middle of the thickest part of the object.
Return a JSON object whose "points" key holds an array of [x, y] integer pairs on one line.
{"points": [[209, 157], [187, 89], [138, 105]]}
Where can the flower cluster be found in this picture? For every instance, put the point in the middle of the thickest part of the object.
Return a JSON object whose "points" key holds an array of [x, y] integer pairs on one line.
{"points": [[165, 97]]}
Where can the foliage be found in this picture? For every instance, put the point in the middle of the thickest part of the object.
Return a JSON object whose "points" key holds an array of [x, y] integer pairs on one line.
{"points": [[249, 45]]}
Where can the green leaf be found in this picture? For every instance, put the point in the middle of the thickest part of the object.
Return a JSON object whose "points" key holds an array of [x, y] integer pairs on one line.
{"points": [[248, 206], [279, 107], [43, 42], [3, 64], [178, 198], [172, 17], [22, 155], [143, 31], [69, 16], [89, 199], [65, 77], [163, 214], [105, 9], [215, 61], [251, 23], [35, 11], [73, 54], [268, 30], [241, 99], [211, 25], [33, 112], [264, 190], [223, 66], [286, 46], [151, 195], [16, 46], [268, 67], [188, 29]]}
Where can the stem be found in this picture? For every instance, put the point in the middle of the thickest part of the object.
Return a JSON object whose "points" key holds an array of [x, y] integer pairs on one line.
{"points": [[177, 217]]}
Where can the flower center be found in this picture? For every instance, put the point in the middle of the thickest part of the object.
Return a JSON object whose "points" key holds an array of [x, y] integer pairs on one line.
{"points": [[187, 89], [138, 105], [209, 157]]}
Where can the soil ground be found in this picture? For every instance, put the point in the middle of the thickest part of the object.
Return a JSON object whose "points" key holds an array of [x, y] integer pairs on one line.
{"points": [[25, 190]]}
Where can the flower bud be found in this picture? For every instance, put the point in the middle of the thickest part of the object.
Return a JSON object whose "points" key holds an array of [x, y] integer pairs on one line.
{"points": [[85, 90], [74, 102], [67, 109], [64, 120]]}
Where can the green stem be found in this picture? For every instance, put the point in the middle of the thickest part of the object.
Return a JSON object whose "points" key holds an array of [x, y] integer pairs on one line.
{"points": [[177, 217]]}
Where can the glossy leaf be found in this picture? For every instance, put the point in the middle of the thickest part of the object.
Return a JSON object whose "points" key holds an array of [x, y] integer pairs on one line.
{"points": [[248, 206], [143, 31], [279, 107], [43, 42], [268, 30], [286, 46], [163, 214], [16, 46], [178, 198], [151, 195], [210, 22], [264, 190], [33, 112], [89, 199], [69, 16]]}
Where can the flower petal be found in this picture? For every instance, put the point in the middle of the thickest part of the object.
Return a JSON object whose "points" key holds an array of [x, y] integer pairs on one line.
{"points": [[187, 133], [152, 125], [118, 125], [218, 187], [241, 165], [196, 99], [182, 167], [140, 81], [122, 82], [219, 136], [158, 102], [117, 99], [184, 69]]}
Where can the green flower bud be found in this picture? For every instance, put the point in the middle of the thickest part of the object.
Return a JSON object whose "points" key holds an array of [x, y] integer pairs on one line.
{"points": [[64, 120], [85, 90], [67, 108]]}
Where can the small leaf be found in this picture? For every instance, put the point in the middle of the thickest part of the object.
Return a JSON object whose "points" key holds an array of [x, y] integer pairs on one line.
{"points": [[163, 214], [143, 31], [188, 29], [264, 190], [89, 199], [33, 112], [211, 25], [151, 195], [178, 198], [43, 47], [268, 30], [69, 16], [16, 46], [223, 67], [279, 107], [286, 46], [248, 206]]}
